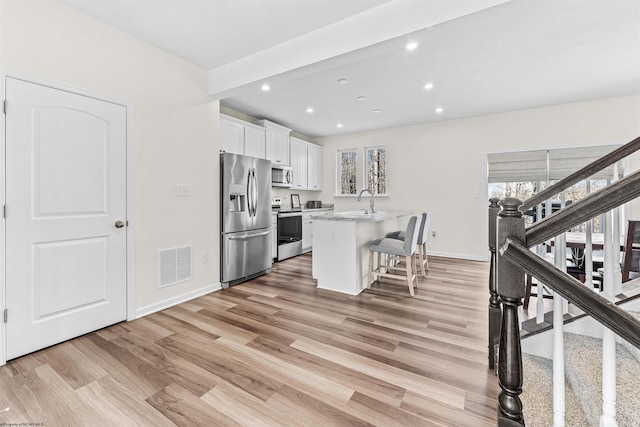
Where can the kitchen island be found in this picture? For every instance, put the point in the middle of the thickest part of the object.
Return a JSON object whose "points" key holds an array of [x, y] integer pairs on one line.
{"points": [[340, 247]]}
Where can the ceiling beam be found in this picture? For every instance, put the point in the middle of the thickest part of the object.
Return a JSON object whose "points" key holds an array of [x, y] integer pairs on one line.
{"points": [[323, 48]]}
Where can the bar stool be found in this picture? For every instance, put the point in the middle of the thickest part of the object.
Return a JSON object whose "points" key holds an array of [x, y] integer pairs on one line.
{"points": [[422, 242], [404, 248]]}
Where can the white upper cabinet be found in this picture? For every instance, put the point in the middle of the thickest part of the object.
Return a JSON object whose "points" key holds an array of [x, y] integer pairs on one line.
{"points": [[268, 140], [255, 142], [299, 163], [240, 137], [277, 142], [231, 136], [314, 167]]}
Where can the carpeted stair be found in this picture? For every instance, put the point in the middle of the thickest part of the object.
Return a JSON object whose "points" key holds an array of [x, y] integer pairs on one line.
{"points": [[583, 387], [632, 349], [537, 395]]}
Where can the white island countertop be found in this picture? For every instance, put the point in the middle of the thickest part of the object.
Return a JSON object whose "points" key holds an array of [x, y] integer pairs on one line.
{"points": [[340, 247], [361, 216]]}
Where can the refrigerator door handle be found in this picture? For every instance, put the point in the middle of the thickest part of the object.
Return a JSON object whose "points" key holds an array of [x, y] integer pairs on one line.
{"points": [[255, 193], [249, 236], [249, 204], [250, 192]]}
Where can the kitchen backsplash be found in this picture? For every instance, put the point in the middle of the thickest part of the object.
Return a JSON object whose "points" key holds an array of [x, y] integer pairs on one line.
{"points": [[285, 194]]}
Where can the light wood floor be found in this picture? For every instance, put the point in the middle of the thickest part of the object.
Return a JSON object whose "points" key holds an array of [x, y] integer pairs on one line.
{"points": [[276, 351]]}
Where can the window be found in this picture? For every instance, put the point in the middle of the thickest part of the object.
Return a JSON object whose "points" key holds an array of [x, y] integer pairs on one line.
{"points": [[522, 174], [347, 163], [375, 170]]}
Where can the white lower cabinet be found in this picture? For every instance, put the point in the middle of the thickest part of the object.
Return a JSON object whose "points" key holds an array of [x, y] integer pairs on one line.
{"points": [[307, 227], [274, 236], [307, 235]]}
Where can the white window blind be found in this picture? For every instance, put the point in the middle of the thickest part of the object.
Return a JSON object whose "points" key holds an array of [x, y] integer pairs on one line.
{"points": [[564, 162], [543, 165], [518, 166]]}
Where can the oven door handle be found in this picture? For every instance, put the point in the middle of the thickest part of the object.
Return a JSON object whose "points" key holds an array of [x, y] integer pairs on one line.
{"points": [[249, 236], [290, 215]]}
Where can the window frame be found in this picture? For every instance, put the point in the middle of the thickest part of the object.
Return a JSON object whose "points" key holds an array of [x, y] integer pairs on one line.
{"points": [[339, 165], [365, 171]]}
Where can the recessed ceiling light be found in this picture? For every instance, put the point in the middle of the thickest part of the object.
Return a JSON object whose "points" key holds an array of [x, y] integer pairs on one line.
{"points": [[265, 88], [411, 46], [362, 98], [343, 81], [309, 110], [377, 111], [428, 86], [439, 110], [339, 125]]}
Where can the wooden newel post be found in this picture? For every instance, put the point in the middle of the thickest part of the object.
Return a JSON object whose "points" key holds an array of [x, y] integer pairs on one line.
{"points": [[511, 289], [494, 302]]}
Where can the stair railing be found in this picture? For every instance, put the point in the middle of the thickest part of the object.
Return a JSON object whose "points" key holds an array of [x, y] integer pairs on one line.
{"points": [[509, 243]]}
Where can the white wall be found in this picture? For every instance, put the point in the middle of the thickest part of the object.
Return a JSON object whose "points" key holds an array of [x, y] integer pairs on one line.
{"points": [[175, 128], [442, 166]]}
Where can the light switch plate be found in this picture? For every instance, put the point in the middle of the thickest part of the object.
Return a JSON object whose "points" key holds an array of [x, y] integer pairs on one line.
{"points": [[183, 190]]}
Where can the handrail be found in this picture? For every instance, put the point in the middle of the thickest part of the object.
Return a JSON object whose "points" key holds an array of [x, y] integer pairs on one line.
{"points": [[584, 173], [601, 309], [617, 194]]}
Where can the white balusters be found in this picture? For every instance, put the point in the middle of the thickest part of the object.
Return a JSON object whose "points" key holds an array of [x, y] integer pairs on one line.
{"points": [[615, 248], [608, 417], [588, 247], [540, 285], [558, 362], [615, 245], [588, 254], [560, 244]]}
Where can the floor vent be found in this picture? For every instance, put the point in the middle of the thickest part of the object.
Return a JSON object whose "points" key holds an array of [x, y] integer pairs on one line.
{"points": [[174, 266]]}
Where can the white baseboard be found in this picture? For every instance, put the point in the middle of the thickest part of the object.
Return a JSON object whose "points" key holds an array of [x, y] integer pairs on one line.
{"points": [[458, 256], [152, 308]]}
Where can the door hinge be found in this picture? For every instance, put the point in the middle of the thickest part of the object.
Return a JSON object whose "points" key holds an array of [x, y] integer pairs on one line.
{"points": [[4, 106], [6, 315], [4, 211]]}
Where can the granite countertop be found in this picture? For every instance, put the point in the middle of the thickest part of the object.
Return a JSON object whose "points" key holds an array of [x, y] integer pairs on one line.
{"points": [[323, 208], [361, 216]]}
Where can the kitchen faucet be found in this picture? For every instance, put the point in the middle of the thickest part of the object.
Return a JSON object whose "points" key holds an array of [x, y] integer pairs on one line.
{"points": [[370, 202]]}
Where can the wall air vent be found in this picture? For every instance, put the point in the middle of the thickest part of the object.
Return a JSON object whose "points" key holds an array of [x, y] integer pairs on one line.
{"points": [[174, 266]]}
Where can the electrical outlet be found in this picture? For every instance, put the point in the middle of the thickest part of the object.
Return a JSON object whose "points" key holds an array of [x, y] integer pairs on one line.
{"points": [[433, 233], [183, 190], [205, 257]]}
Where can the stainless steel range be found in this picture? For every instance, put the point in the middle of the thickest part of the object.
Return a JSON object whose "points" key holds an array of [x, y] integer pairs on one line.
{"points": [[289, 230]]}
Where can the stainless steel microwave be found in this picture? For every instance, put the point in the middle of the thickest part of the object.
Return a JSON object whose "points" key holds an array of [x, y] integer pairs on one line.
{"points": [[281, 176]]}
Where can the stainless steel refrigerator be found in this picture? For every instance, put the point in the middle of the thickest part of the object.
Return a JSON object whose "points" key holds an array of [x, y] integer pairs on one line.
{"points": [[245, 218]]}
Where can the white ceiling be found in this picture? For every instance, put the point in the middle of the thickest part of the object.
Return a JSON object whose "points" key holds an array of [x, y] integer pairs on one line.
{"points": [[515, 55]]}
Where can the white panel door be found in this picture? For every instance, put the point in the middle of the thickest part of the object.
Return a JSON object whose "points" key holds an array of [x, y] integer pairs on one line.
{"points": [[65, 193]]}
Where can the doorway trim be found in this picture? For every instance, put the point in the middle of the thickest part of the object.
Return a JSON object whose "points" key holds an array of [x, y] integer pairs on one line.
{"points": [[130, 196]]}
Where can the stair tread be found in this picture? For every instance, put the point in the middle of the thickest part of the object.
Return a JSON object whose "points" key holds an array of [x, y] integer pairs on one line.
{"points": [[635, 351], [584, 354], [537, 395]]}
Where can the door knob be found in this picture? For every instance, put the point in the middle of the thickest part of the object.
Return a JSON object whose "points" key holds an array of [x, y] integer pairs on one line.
{"points": [[119, 224]]}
